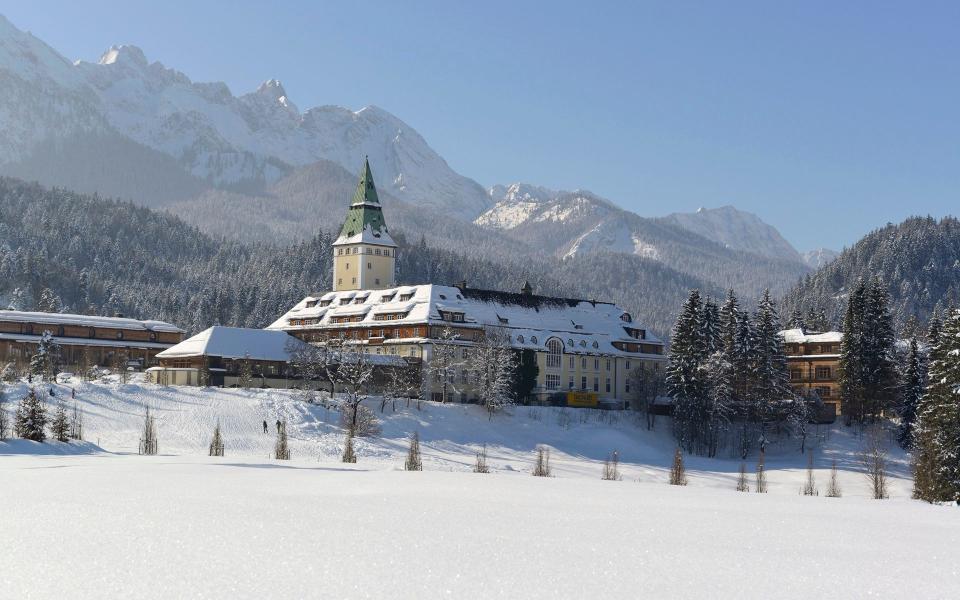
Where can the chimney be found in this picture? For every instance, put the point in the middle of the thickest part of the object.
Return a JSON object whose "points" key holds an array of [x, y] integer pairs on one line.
{"points": [[526, 290]]}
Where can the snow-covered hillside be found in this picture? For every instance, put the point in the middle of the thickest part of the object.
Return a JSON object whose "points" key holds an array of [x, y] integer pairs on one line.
{"points": [[738, 230], [819, 257], [182, 524], [214, 135]]}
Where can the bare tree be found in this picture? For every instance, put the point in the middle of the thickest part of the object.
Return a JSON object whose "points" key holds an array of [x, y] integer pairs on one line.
{"points": [[542, 466], [833, 488], [810, 485], [348, 454], [413, 462], [481, 465], [314, 364], [148, 441], [742, 485], [648, 385], [493, 364], [281, 449], [402, 383], [874, 458], [76, 423], [216, 444], [4, 417], [760, 486], [678, 473], [354, 373], [611, 467], [445, 360]]}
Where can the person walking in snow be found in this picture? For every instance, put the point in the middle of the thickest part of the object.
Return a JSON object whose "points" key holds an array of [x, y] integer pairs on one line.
{"points": [[278, 425], [73, 393], [264, 425]]}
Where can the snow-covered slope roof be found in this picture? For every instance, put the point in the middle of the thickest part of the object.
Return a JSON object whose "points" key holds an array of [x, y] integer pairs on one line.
{"points": [[582, 326], [86, 321], [236, 342], [799, 336]]}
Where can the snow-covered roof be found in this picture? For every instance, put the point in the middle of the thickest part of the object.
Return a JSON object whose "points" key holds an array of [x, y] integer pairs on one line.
{"points": [[799, 336], [86, 321], [72, 341], [582, 326], [367, 236], [236, 342]]}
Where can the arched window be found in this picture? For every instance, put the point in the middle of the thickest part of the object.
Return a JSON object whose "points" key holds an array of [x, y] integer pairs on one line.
{"points": [[554, 352], [533, 340], [520, 338]]}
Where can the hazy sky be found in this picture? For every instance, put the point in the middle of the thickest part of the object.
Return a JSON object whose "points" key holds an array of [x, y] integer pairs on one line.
{"points": [[827, 119]]}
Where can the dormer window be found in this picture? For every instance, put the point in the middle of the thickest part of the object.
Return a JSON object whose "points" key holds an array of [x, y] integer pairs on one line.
{"points": [[344, 301], [533, 340], [359, 300], [311, 303], [405, 297], [520, 338], [503, 320], [442, 297], [324, 303]]}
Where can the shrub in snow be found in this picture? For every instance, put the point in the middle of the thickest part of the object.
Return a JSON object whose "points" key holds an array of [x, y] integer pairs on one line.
{"points": [[742, 485], [216, 444], [281, 450], [761, 482], [611, 467], [348, 455], [678, 473], [31, 418], [413, 462], [833, 488], [60, 425], [810, 485], [148, 440], [542, 467], [481, 465]]}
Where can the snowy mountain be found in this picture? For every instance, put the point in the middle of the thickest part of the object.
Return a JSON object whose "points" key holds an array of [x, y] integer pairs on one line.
{"points": [[819, 257], [737, 230], [239, 142]]}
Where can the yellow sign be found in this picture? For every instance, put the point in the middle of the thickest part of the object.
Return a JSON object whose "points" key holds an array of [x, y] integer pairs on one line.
{"points": [[582, 399]]}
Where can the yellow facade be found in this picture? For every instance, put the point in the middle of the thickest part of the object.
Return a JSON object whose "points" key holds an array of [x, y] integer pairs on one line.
{"points": [[363, 267]]}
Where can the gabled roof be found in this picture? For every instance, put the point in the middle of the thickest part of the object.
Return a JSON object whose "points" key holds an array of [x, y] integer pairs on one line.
{"points": [[365, 222], [236, 342]]}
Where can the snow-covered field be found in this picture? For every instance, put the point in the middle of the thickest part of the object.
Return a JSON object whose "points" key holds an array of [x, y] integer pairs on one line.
{"points": [[83, 522]]}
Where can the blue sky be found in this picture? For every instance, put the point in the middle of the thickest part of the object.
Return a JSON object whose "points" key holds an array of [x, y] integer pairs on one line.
{"points": [[827, 119]]}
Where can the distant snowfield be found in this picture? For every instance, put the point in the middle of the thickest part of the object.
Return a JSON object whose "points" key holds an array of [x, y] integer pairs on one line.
{"points": [[108, 523]]}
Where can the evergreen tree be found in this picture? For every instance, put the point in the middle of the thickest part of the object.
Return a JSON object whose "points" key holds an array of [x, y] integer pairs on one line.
{"points": [[937, 430], [796, 320], [46, 360], [879, 365], [711, 327], [911, 393], [771, 378], [729, 319], [4, 418], [685, 380], [851, 356], [60, 425], [31, 418]]}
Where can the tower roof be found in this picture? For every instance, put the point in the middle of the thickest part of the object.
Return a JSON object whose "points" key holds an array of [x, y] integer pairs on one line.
{"points": [[366, 191], [365, 222]]}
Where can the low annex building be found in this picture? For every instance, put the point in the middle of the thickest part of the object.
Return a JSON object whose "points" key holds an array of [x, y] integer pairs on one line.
{"points": [[85, 340], [585, 350], [217, 356], [813, 359]]}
